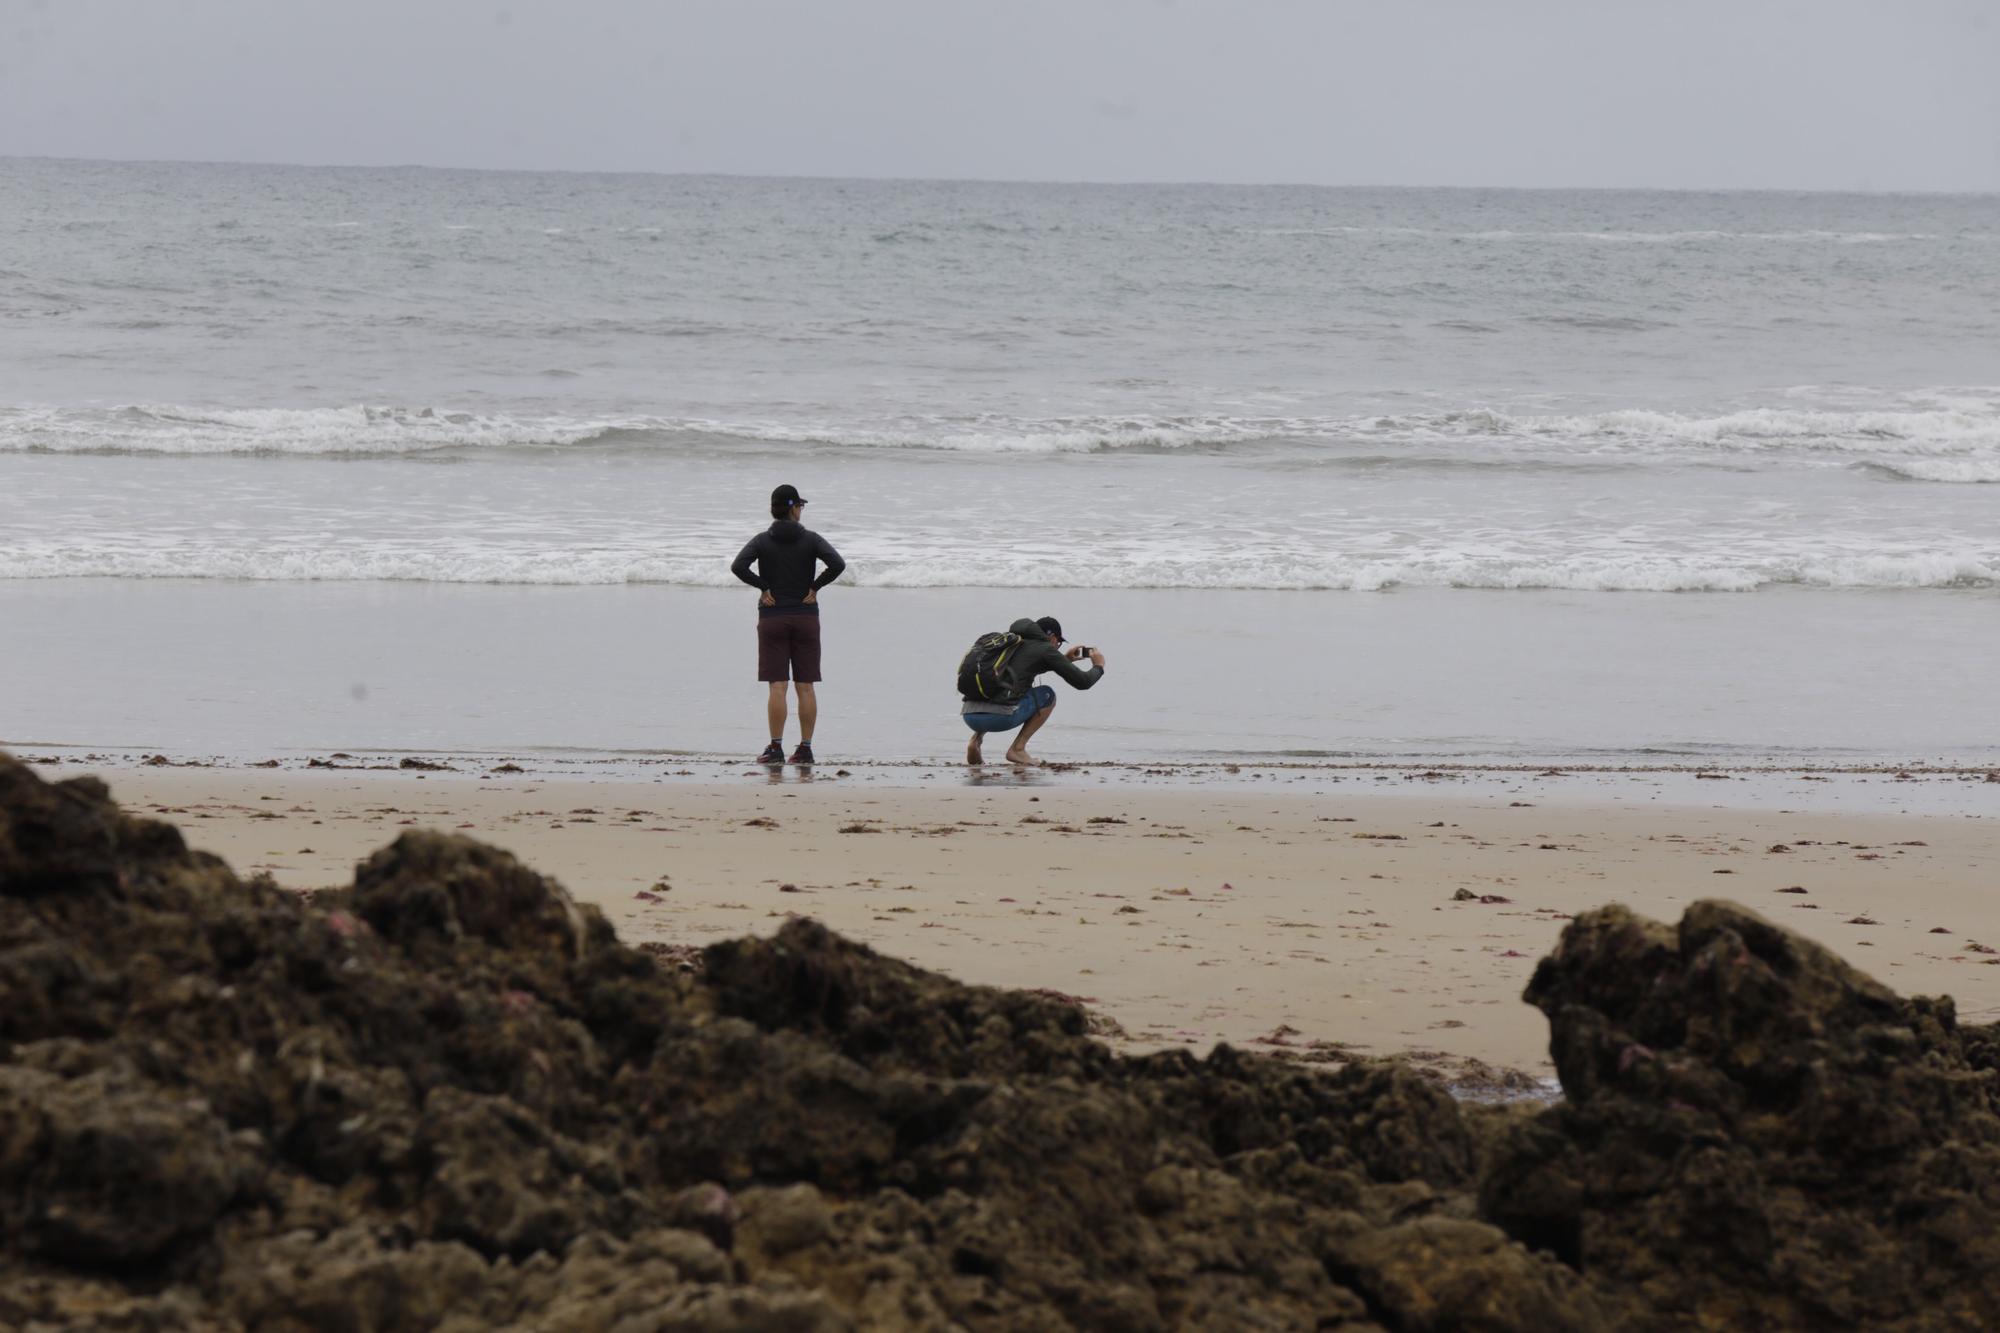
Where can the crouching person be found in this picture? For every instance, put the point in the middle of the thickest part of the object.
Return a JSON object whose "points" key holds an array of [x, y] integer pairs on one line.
{"points": [[996, 683]]}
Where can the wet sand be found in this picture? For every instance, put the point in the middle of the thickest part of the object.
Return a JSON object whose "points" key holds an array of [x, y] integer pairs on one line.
{"points": [[1420, 674], [1320, 922]]}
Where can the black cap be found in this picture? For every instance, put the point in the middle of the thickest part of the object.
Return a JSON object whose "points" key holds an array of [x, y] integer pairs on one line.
{"points": [[1051, 627], [783, 499]]}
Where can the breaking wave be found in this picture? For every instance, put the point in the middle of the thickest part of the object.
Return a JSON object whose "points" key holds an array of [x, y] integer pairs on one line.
{"points": [[369, 430], [195, 431], [1946, 437], [1939, 431], [1974, 470]]}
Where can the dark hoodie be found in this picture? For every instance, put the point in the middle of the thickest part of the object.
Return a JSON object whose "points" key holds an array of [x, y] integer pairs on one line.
{"points": [[784, 554], [1037, 653]]}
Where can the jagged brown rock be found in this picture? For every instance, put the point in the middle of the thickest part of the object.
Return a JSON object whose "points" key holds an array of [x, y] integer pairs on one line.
{"points": [[1756, 1134], [449, 1098]]}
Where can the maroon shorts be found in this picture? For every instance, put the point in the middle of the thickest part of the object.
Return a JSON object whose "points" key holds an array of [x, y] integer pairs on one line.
{"points": [[788, 648]]}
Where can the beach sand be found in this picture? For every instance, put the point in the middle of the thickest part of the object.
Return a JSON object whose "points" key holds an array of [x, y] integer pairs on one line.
{"points": [[1322, 922]]}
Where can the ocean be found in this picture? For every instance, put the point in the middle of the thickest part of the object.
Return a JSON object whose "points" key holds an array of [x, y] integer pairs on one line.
{"points": [[1377, 472]]}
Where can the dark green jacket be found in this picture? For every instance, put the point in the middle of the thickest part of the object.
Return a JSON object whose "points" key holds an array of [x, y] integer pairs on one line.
{"points": [[1036, 655]]}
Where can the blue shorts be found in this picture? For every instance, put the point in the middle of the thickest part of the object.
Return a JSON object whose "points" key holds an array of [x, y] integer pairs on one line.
{"points": [[1033, 702]]}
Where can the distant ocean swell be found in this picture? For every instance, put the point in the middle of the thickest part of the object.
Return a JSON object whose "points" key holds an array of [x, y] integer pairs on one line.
{"points": [[1698, 236], [1952, 437], [1222, 569]]}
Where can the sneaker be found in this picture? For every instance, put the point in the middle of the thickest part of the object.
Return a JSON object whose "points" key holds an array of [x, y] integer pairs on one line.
{"points": [[803, 755], [774, 753]]}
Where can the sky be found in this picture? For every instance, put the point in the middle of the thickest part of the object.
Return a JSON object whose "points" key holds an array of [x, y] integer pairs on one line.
{"points": [[1679, 94]]}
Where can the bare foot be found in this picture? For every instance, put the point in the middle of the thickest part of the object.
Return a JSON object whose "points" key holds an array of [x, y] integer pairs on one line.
{"points": [[972, 755], [1020, 756]]}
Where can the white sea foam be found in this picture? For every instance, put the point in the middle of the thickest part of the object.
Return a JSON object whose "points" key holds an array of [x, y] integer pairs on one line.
{"points": [[1013, 435], [171, 429], [448, 562], [1962, 430], [1972, 428], [359, 429], [1968, 431]]}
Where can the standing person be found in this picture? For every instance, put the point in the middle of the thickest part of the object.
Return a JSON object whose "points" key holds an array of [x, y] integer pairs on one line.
{"points": [[788, 615], [997, 681]]}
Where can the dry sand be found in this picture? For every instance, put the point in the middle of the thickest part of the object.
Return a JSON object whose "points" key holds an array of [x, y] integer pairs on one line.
{"points": [[1185, 915]]}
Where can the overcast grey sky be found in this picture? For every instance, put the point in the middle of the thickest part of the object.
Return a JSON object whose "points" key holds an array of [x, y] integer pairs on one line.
{"points": [[1820, 94]]}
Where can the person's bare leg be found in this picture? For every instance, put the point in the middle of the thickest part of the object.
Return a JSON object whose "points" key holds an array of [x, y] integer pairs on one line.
{"points": [[808, 710], [774, 709], [972, 755], [1017, 753]]}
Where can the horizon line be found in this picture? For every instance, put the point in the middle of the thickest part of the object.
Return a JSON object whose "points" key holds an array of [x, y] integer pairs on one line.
{"points": [[989, 180]]}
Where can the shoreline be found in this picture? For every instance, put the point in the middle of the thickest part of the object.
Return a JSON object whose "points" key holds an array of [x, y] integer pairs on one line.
{"points": [[1319, 920], [136, 755], [554, 759], [1910, 788]]}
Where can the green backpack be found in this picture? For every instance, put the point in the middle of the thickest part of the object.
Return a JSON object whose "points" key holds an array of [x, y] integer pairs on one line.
{"points": [[980, 673]]}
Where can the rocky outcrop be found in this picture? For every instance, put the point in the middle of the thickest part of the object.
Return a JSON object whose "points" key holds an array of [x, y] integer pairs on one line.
{"points": [[449, 1098], [1756, 1134]]}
